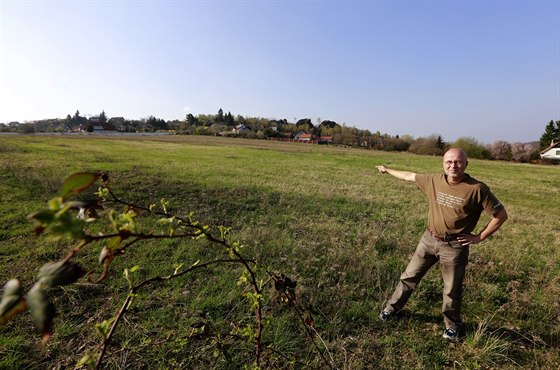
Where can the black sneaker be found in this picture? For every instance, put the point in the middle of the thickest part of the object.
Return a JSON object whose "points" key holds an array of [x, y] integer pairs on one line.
{"points": [[385, 315], [451, 335]]}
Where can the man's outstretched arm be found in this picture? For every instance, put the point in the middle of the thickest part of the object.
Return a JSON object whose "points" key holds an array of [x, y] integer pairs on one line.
{"points": [[403, 175]]}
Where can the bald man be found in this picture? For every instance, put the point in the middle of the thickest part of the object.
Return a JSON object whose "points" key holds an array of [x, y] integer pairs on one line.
{"points": [[456, 202]]}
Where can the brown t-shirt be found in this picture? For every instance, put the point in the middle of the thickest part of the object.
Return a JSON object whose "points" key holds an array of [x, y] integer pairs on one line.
{"points": [[456, 208]]}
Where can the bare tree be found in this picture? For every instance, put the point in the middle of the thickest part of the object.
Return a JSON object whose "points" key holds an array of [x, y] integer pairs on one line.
{"points": [[500, 150], [521, 152]]}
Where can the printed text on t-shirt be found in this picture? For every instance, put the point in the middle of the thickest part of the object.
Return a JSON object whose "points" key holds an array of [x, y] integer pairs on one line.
{"points": [[448, 200]]}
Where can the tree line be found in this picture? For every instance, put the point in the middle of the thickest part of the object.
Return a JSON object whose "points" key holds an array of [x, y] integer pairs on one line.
{"points": [[223, 124]]}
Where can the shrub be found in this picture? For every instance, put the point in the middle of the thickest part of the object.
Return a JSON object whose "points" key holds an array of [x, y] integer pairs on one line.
{"points": [[472, 147], [432, 145]]}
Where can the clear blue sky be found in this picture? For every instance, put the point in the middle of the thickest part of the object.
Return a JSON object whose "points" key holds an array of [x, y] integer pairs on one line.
{"points": [[483, 69]]}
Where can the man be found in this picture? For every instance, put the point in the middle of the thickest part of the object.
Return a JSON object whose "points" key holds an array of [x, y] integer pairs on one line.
{"points": [[456, 202]]}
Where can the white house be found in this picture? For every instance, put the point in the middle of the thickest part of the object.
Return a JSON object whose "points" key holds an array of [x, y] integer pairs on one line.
{"points": [[552, 152], [303, 136], [240, 128]]}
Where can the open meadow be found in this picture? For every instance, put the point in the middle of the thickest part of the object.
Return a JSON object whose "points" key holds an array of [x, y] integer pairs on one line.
{"points": [[322, 216]]}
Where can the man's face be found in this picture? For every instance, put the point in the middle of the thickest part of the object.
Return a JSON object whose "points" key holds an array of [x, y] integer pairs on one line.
{"points": [[454, 164]]}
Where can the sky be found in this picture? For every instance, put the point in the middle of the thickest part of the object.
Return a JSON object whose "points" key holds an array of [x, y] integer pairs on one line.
{"points": [[488, 70]]}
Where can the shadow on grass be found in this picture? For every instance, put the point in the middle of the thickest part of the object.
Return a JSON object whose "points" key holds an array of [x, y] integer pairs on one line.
{"points": [[520, 338], [412, 318]]}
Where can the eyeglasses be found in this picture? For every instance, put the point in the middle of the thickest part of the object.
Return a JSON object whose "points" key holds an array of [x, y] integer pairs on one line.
{"points": [[457, 163]]}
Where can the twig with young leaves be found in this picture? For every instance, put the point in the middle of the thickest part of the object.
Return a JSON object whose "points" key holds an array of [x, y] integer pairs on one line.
{"points": [[68, 219]]}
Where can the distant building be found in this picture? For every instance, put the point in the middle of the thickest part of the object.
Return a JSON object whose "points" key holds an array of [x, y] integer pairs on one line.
{"points": [[325, 140], [552, 152], [303, 136], [95, 124], [240, 128]]}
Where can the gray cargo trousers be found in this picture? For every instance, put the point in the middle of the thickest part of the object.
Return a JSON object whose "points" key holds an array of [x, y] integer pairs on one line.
{"points": [[453, 259]]}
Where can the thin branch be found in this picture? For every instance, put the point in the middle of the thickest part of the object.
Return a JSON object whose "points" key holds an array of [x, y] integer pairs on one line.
{"points": [[137, 287], [112, 331], [203, 231], [306, 326], [179, 274]]}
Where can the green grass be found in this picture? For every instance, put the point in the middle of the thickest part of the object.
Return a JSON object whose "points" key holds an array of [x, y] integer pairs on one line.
{"points": [[322, 216]]}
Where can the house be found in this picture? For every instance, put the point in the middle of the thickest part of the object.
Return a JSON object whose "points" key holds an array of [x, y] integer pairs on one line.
{"points": [[240, 128], [325, 139], [303, 136], [97, 125], [552, 152]]}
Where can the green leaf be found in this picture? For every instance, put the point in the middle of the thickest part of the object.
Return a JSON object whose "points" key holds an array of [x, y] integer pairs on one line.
{"points": [[60, 273], [87, 360], [114, 242], [78, 182], [102, 193], [104, 327], [42, 311], [164, 204]]}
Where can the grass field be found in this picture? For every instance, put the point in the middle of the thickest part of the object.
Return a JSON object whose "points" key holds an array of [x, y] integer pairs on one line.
{"points": [[321, 215]]}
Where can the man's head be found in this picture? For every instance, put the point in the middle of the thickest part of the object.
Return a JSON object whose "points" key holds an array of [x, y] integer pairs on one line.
{"points": [[454, 164]]}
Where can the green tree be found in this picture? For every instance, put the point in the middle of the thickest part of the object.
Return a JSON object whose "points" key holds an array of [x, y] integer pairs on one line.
{"points": [[103, 117], [206, 119], [229, 119], [191, 120], [551, 133], [78, 120], [440, 144], [473, 148], [305, 124], [220, 116], [27, 128], [240, 119], [157, 124], [329, 124], [202, 130]]}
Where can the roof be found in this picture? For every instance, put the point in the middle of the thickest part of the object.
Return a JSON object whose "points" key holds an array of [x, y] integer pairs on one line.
{"points": [[551, 146], [241, 127]]}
